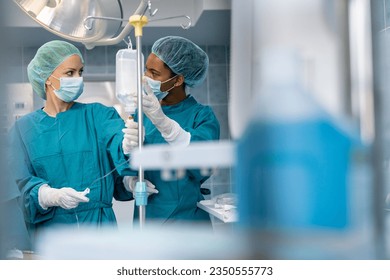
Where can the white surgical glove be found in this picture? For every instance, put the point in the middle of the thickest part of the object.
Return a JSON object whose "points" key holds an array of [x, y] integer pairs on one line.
{"points": [[130, 138], [170, 129], [66, 198], [131, 181]]}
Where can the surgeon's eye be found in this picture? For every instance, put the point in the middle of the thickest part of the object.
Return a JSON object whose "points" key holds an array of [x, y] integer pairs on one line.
{"points": [[70, 73], [155, 74]]}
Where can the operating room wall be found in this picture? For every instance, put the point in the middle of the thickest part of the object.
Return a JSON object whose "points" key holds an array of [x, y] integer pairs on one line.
{"points": [[100, 67]]}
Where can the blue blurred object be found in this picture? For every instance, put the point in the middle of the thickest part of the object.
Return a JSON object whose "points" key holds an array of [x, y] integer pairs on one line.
{"points": [[297, 174], [303, 181]]}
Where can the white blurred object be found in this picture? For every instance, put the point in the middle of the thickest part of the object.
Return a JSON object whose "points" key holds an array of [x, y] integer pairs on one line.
{"points": [[222, 206], [296, 24], [200, 154], [124, 213], [14, 254], [227, 214], [282, 98], [181, 242], [225, 200]]}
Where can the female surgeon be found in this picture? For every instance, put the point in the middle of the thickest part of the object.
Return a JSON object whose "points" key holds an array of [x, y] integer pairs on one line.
{"points": [[173, 116], [68, 156]]}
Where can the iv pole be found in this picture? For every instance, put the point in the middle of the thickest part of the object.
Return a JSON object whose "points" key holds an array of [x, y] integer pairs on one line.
{"points": [[141, 196], [138, 21]]}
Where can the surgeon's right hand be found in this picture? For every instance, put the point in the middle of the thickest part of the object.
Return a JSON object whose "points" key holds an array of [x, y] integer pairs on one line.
{"points": [[130, 183], [66, 198]]}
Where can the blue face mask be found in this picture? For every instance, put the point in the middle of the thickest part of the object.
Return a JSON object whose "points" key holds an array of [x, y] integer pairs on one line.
{"points": [[156, 87], [70, 88]]}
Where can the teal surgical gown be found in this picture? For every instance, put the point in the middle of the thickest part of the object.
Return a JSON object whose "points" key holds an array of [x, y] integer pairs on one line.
{"points": [[13, 231], [74, 149], [177, 199]]}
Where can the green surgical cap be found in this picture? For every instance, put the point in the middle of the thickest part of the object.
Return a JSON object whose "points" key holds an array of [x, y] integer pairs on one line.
{"points": [[48, 57], [183, 57]]}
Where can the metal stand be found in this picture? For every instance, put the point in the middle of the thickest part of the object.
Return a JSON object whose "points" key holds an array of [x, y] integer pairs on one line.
{"points": [[141, 196]]}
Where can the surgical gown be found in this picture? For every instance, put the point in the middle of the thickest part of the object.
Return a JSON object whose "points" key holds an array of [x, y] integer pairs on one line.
{"points": [[76, 149], [13, 231], [177, 199]]}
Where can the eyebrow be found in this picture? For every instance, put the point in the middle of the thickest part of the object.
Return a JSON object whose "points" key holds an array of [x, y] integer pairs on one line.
{"points": [[72, 69], [153, 70]]}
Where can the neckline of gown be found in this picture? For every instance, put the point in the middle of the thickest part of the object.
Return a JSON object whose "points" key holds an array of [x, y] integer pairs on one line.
{"points": [[186, 103], [60, 114]]}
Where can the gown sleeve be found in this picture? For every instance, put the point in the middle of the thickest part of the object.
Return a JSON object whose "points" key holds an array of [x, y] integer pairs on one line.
{"points": [[205, 128], [110, 126], [12, 225], [23, 174]]}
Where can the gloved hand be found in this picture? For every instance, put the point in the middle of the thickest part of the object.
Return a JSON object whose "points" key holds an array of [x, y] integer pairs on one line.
{"points": [[170, 129], [131, 181], [130, 138], [66, 198]]}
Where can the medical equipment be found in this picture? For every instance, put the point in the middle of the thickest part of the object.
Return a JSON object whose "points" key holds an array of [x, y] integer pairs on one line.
{"points": [[67, 19], [126, 77]]}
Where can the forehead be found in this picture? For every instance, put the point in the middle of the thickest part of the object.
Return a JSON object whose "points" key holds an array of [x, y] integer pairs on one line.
{"points": [[73, 61], [153, 62]]}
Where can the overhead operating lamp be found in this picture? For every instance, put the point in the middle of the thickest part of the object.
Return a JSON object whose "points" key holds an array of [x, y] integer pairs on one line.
{"points": [[66, 18]]}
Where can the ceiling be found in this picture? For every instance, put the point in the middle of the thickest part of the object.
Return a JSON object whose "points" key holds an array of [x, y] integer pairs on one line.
{"points": [[210, 22]]}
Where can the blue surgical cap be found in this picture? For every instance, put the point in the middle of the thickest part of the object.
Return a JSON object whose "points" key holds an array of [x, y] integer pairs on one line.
{"points": [[183, 57], [48, 57]]}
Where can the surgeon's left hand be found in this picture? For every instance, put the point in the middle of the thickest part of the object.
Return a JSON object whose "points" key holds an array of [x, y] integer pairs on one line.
{"points": [[131, 181], [170, 129], [130, 137], [67, 198]]}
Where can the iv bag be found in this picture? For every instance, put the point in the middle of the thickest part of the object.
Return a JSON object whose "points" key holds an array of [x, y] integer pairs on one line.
{"points": [[126, 78]]}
